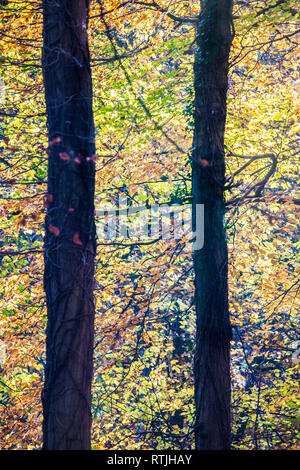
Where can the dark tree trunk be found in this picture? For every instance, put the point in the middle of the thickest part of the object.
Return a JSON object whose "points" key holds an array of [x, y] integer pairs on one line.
{"points": [[212, 357], [70, 229]]}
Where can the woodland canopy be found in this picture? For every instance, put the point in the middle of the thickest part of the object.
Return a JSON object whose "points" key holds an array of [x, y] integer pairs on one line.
{"points": [[112, 339]]}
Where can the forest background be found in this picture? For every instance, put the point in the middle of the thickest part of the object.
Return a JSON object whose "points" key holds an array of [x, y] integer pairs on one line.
{"points": [[142, 67]]}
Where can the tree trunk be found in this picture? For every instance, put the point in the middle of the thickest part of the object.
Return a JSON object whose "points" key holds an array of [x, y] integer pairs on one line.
{"points": [[70, 229], [212, 356]]}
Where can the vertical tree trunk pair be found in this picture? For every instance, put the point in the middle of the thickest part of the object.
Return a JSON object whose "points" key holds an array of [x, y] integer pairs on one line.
{"points": [[212, 360], [70, 231]]}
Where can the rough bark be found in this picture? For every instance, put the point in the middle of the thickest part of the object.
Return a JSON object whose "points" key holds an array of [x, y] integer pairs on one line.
{"points": [[69, 227], [212, 357]]}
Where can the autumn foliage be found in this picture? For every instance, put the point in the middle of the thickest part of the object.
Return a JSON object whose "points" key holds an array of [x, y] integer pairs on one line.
{"points": [[142, 66]]}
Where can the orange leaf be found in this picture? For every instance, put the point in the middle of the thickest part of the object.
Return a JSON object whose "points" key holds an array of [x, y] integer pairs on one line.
{"points": [[76, 239], [64, 156], [57, 140], [54, 230], [204, 163], [47, 198]]}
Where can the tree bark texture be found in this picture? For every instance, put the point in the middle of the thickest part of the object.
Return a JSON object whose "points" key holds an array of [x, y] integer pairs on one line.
{"points": [[70, 229], [212, 355]]}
